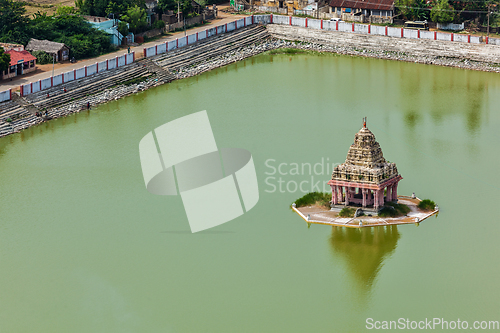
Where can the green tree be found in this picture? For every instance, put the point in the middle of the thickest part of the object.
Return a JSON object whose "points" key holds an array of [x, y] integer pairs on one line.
{"points": [[420, 10], [12, 21], [4, 60], [65, 10], [186, 8], [404, 8], [442, 12], [123, 28], [106, 7], [413, 10], [136, 18], [165, 5]]}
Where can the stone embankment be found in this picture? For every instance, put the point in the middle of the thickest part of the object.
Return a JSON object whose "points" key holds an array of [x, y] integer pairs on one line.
{"points": [[232, 47], [444, 53]]}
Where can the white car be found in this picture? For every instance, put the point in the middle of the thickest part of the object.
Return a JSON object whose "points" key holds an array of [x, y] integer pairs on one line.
{"points": [[335, 19]]}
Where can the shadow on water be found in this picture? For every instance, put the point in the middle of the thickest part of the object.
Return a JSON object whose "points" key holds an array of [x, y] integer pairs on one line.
{"points": [[364, 251]]}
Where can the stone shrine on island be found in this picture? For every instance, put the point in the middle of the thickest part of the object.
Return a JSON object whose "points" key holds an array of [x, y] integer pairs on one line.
{"points": [[365, 178]]}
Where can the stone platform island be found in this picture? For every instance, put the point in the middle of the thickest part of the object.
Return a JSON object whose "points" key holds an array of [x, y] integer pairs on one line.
{"points": [[364, 192]]}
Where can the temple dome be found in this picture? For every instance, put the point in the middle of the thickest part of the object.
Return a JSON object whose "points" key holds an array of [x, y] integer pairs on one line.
{"points": [[365, 161], [365, 151]]}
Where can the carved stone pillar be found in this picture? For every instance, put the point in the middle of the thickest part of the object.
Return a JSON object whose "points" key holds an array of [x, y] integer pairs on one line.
{"points": [[389, 193], [347, 190], [376, 197], [335, 194], [364, 191]]}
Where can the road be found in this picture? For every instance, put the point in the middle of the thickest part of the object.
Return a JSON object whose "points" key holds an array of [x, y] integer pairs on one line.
{"points": [[45, 71]]}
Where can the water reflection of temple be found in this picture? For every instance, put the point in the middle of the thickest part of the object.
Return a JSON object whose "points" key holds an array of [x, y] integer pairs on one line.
{"points": [[364, 251]]}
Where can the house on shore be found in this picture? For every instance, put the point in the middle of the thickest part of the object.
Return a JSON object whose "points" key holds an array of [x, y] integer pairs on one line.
{"points": [[59, 51], [109, 26], [21, 61], [373, 11], [151, 7]]}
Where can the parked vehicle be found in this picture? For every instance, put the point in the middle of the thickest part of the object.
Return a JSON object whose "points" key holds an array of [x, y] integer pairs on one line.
{"points": [[418, 25], [335, 19]]}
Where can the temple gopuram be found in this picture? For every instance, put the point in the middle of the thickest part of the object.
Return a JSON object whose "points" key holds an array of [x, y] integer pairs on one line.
{"points": [[365, 178]]}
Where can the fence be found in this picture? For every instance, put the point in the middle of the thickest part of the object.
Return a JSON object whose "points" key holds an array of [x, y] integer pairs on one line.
{"points": [[271, 9], [193, 38], [318, 24], [75, 74], [451, 26], [5, 95], [373, 29]]}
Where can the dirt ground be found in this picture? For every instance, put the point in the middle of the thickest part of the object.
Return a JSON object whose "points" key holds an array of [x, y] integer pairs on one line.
{"points": [[45, 6]]}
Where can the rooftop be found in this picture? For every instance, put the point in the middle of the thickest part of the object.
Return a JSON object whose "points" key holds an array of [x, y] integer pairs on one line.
{"points": [[10, 46], [44, 45], [16, 56], [371, 4]]}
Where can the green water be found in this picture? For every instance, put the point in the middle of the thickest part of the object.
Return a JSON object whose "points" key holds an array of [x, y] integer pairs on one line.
{"points": [[85, 248]]}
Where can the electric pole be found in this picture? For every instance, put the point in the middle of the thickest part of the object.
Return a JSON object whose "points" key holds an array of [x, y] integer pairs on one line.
{"points": [[178, 11], [488, 30]]}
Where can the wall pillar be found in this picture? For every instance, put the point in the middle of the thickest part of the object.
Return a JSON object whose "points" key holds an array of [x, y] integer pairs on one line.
{"points": [[395, 192], [364, 191], [388, 197], [376, 198], [346, 196]]}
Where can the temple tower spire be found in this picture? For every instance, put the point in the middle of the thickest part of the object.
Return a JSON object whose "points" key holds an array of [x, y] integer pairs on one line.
{"points": [[366, 176]]}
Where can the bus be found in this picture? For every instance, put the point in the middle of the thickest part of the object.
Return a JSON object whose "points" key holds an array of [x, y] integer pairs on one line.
{"points": [[419, 25]]}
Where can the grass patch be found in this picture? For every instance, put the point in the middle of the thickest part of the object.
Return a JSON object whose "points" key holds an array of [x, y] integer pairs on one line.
{"points": [[286, 50], [347, 212], [426, 204], [314, 198], [392, 209]]}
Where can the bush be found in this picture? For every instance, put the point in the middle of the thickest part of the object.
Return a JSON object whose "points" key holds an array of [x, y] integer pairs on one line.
{"points": [[392, 209], [158, 24], [347, 212], [387, 211], [314, 198], [426, 204], [42, 57], [400, 208]]}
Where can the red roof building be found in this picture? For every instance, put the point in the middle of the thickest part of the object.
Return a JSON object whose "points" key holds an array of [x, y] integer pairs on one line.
{"points": [[377, 11], [21, 62]]}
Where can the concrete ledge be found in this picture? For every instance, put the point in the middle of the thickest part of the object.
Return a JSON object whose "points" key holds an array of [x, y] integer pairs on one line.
{"points": [[382, 44]]}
